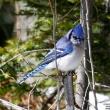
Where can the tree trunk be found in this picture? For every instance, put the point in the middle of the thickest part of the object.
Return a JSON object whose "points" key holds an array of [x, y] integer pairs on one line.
{"points": [[81, 95], [24, 22], [82, 87]]}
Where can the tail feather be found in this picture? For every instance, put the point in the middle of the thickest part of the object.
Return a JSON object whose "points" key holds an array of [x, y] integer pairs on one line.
{"points": [[31, 74]]}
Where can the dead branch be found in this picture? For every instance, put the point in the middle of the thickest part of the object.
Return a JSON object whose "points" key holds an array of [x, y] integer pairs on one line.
{"points": [[10, 106]]}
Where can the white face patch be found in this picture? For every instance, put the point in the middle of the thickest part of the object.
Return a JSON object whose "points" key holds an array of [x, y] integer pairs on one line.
{"points": [[75, 41]]}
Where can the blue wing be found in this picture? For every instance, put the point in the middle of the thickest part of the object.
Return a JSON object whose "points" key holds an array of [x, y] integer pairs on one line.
{"points": [[51, 56]]}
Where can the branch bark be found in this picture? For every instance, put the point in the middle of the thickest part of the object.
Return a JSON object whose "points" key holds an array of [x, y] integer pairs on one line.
{"points": [[68, 89], [81, 92], [82, 84], [10, 106]]}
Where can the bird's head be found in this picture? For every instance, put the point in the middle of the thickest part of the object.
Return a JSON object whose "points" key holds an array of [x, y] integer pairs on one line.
{"points": [[76, 35]]}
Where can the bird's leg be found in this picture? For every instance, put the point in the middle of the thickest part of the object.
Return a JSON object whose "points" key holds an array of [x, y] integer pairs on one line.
{"points": [[64, 74], [60, 76]]}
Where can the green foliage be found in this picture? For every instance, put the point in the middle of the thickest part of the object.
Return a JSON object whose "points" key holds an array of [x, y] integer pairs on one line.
{"points": [[101, 45]]}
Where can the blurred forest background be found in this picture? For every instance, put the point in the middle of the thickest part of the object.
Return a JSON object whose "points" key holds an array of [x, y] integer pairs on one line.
{"points": [[26, 33]]}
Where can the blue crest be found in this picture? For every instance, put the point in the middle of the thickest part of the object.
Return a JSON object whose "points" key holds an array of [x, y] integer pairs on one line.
{"points": [[78, 31]]}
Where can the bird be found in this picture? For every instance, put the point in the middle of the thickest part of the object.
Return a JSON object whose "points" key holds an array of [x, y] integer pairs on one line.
{"points": [[65, 56]]}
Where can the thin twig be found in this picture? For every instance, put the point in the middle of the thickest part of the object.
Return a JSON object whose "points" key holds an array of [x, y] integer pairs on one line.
{"points": [[85, 71], [89, 47], [51, 7], [60, 96], [2, 71], [30, 95], [102, 85], [85, 96], [54, 39], [23, 53], [86, 100], [66, 14]]}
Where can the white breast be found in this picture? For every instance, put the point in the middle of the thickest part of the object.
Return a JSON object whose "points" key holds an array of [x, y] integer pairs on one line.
{"points": [[68, 62]]}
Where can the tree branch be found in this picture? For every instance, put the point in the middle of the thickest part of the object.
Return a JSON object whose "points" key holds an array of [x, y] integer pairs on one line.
{"points": [[10, 106], [68, 89], [88, 4]]}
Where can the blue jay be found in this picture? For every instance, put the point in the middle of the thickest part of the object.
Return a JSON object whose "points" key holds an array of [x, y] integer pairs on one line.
{"points": [[67, 54]]}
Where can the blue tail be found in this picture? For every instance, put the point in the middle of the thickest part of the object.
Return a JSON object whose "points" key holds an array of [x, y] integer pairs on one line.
{"points": [[31, 74]]}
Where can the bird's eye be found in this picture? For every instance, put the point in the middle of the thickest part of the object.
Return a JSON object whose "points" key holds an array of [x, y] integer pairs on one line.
{"points": [[75, 38]]}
